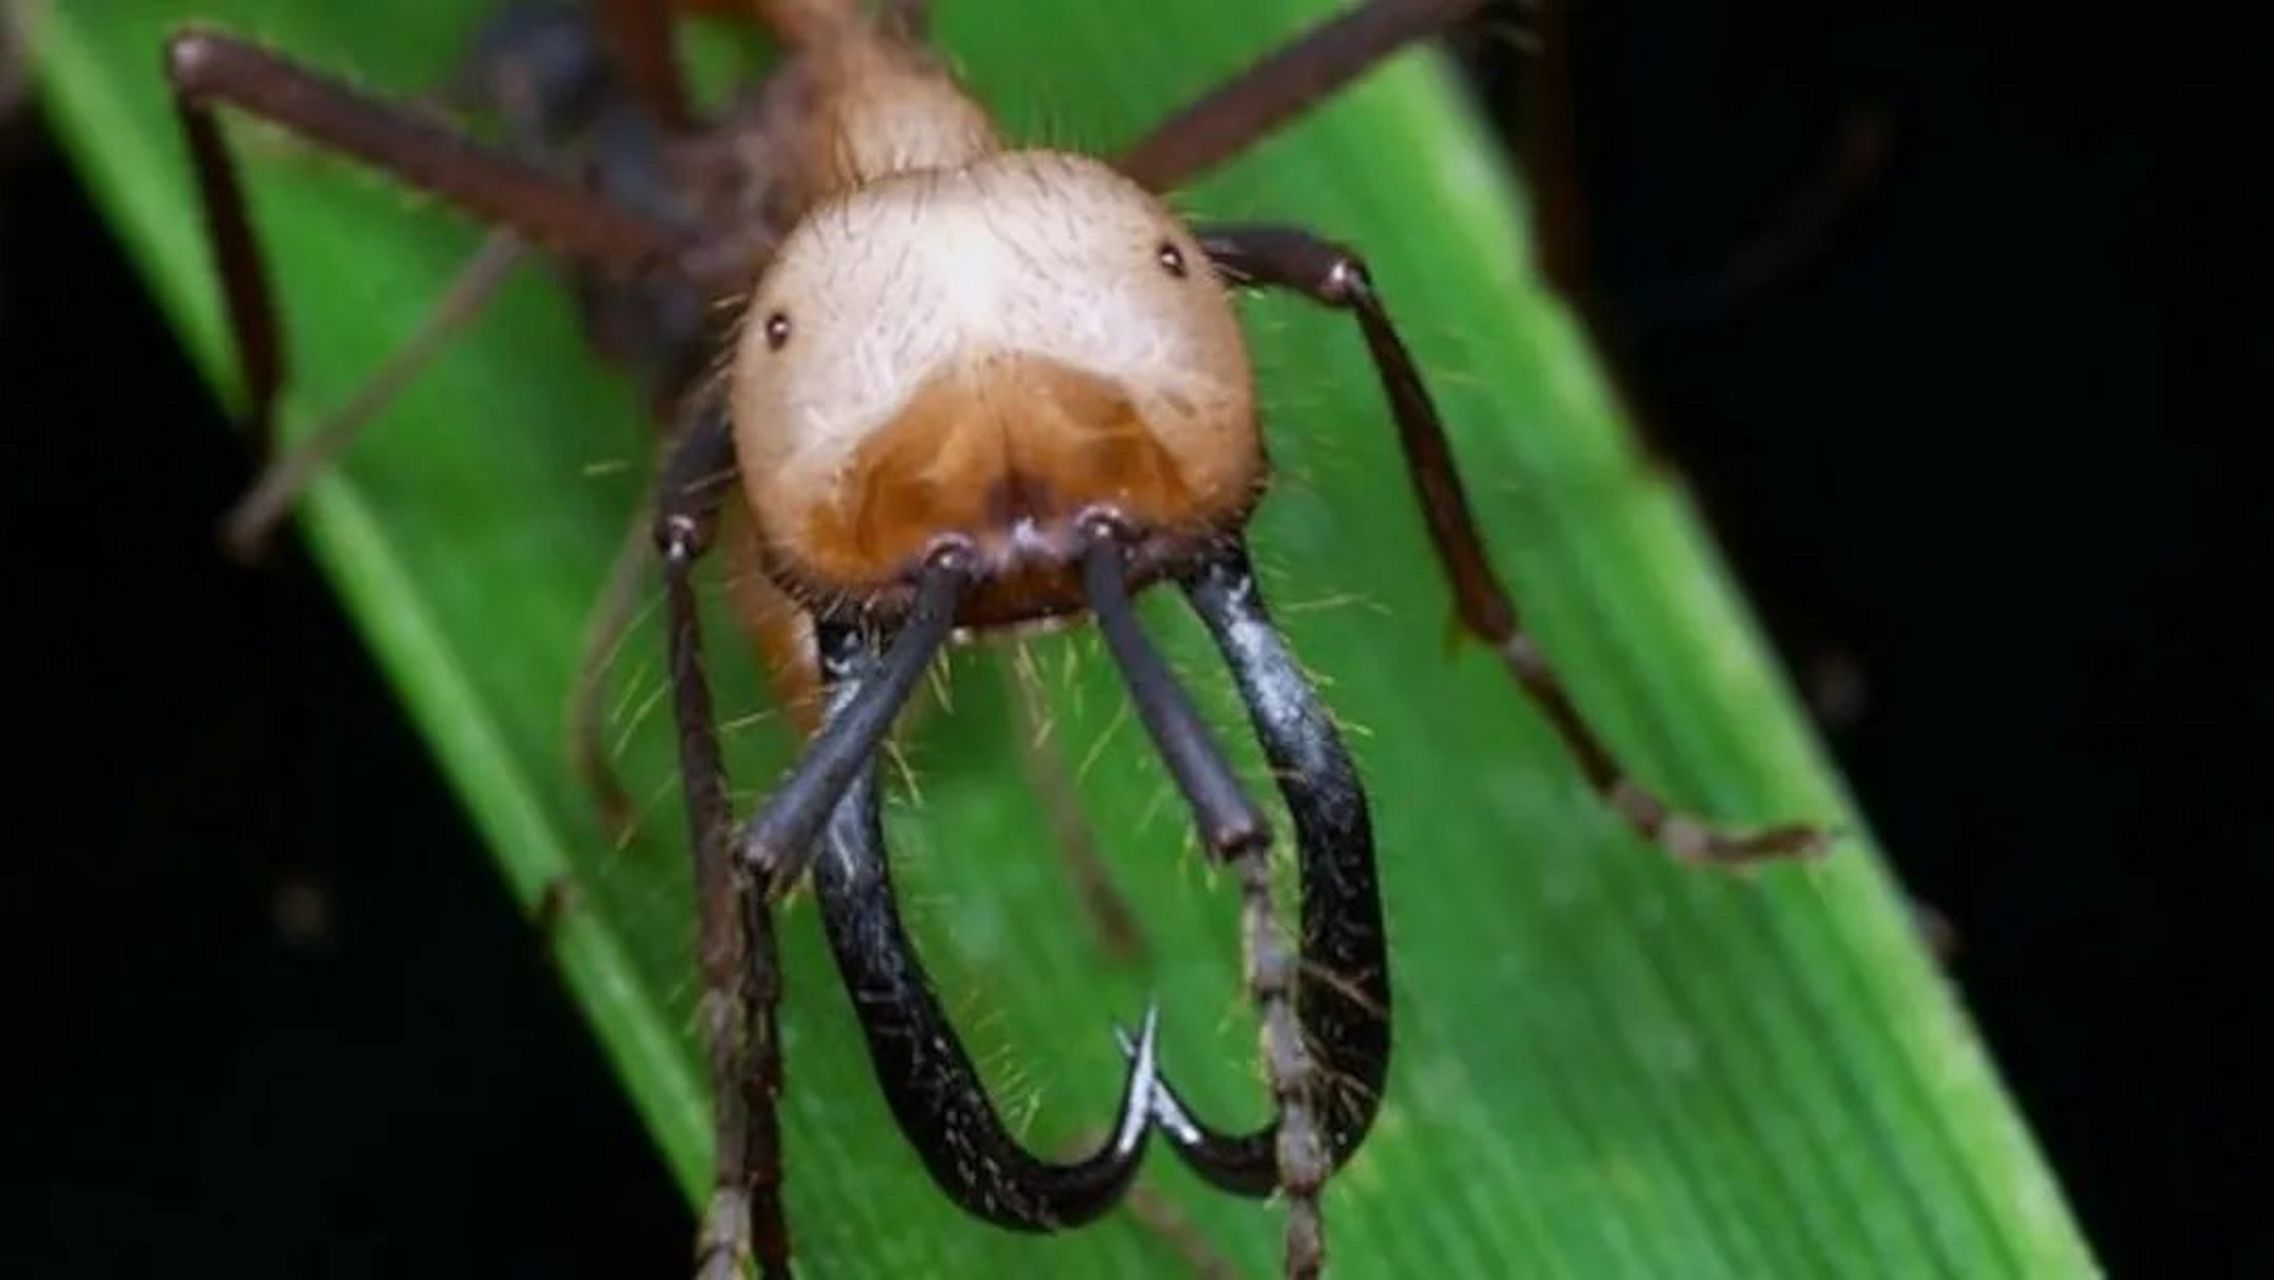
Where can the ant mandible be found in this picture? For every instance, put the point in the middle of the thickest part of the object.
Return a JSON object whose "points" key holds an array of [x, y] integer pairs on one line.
{"points": [[972, 387]]}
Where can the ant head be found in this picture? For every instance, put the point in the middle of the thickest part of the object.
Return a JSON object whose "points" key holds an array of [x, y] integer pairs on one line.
{"points": [[989, 354]]}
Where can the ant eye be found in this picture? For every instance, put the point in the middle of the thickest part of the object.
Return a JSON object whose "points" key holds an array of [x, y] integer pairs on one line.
{"points": [[777, 330], [1171, 258]]}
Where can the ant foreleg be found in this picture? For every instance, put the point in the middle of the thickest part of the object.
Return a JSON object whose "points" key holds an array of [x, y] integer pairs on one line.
{"points": [[1282, 85], [1291, 258], [735, 946]]}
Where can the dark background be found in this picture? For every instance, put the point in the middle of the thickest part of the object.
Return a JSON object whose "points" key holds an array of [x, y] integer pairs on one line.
{"points": [[1956, 322]]}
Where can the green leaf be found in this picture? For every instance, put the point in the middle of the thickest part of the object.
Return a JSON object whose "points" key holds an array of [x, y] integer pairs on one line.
{"points": [[1606, 1065]]}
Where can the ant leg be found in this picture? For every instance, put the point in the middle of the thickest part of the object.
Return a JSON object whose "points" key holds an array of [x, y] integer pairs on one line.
{"points": [[735, 945], [926, 1074], [249, 524], [1291, 258], [206, 69], [554, 213], [537, 66], [1286, 82]]}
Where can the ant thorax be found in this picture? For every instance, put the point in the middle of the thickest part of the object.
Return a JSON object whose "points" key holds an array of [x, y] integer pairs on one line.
{"points": [[984, 350]]}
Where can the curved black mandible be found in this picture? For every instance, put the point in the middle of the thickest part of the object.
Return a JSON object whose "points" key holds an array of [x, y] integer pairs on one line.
{"points": [[1342, 996], [927, 1077]]}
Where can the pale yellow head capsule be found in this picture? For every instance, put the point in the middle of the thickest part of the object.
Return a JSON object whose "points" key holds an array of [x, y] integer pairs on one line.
{"points": [[987, 353]]}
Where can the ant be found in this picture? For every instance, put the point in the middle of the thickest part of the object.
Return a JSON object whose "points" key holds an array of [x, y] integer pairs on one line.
{"points": [[969, 388]]}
